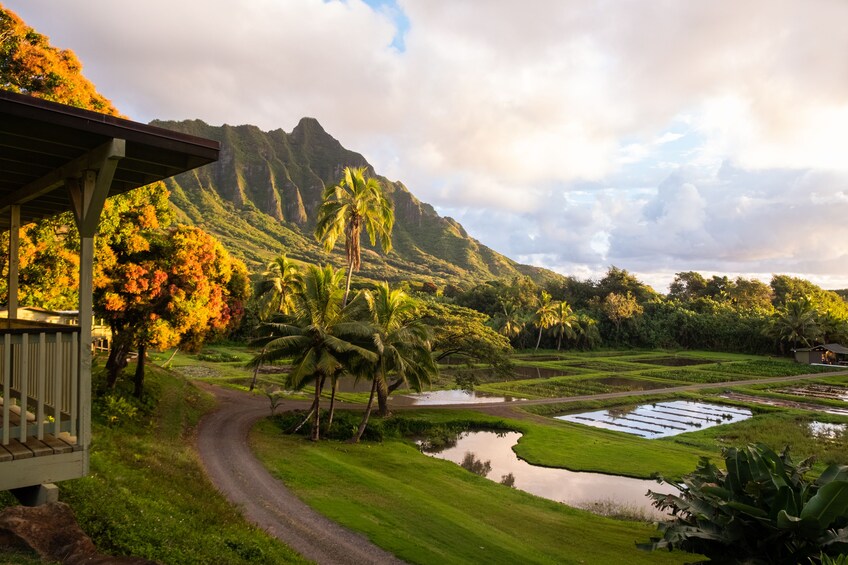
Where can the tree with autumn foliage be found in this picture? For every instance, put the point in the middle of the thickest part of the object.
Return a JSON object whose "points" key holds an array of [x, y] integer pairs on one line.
{"points": [[30, 65], [163, 288]]}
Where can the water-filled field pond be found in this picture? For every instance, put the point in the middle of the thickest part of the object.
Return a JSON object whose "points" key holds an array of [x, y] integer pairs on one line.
{"points": [[662, 419], [435, 397], [490, 454]]}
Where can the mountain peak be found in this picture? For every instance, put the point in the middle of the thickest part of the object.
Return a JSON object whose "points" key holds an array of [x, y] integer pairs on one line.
{"points": [[308, 126]]}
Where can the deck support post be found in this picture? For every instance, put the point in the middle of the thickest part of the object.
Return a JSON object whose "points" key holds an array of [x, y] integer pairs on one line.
{"points": [[88, 194], [37, 495], [14, 259]]}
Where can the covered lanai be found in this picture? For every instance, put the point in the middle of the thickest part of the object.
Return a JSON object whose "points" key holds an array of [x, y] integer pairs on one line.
{"points": [[56, 158]]}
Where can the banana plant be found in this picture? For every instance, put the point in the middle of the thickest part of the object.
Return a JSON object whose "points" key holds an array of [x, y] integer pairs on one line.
{"points": [[761, 509]]}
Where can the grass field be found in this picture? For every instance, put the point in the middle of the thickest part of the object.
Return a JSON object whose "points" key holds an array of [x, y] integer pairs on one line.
{"points": [[431, 511], [147, 495]]}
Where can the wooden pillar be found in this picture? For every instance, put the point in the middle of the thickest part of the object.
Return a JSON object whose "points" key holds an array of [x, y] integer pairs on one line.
{"points": [[88, 195], [14, 259]]}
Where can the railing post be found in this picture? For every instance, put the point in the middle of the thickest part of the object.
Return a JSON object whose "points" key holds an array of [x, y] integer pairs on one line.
{"points": [[7, 379]]}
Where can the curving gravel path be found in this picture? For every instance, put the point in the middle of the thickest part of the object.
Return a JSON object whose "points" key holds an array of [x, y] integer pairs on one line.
{"points": [[264, 500]]}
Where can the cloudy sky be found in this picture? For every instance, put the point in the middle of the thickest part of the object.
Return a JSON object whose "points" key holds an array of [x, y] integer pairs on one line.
{"points": [[657, 136]]}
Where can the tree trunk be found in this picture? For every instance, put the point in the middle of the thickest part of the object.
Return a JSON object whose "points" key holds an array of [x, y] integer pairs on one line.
{"points": [[256, 369], [117, 361], [347, 283], [559, 342], [382, 398], [364, 422], [335, 385], [319, 382], [138, 380], [539, 339]]}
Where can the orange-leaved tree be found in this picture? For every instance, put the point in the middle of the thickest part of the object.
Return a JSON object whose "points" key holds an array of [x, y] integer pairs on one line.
{"points": [[163, 288]]}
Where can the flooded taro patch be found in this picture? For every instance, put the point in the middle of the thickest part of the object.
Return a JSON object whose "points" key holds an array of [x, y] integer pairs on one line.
{"points": [[782, 403], [826, 430], [662, 419], [674, 361], [436, 397], [826, 392], [490, 454]]}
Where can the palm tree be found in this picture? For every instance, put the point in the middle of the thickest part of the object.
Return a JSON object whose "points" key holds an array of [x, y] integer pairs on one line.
{"points": [[795, 321], [324, 336], [281, 283], [403, 344], [586, 331], [511, 321], [348, 207], [563, 321], [544, 317], [277, 293]]}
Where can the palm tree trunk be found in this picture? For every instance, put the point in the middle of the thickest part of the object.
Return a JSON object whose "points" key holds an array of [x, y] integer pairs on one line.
{"points": [[383, 398], [335, 384], [364, 422], [539, 339], [256, 369], [559, 342], [347, 283], [319, 382]]}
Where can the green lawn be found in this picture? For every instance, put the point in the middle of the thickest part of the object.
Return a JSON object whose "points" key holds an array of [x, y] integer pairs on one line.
{"points": [[148, 496], [430, 511]]}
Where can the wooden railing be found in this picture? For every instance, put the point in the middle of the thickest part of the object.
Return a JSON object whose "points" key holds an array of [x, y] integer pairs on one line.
{"points": [[39, 383]]}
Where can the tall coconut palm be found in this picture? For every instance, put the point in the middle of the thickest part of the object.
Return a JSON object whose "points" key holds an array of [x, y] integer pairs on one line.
{"points": [[563, 319], [355, 203], [403, 345], [544, 316], [323, 336], [280, 284]]}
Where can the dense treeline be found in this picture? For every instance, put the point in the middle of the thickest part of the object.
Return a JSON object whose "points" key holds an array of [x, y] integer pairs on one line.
{"points": [[618, 310]]}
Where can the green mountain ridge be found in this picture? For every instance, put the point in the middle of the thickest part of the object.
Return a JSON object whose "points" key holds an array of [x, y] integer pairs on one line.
{"points": [[263, 194]]}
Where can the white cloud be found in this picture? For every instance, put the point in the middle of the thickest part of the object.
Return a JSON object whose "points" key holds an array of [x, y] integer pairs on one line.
{"points": [[607, 128]]}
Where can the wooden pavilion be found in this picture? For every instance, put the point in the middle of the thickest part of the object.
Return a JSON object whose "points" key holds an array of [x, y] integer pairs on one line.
{"points": [[56, 158]]}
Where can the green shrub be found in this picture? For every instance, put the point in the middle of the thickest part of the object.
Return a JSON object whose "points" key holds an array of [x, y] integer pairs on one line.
{"points": [[761, 510]]}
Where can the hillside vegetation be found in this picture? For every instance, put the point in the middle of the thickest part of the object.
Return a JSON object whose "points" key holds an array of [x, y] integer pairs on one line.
{"points": [[264, 192]]}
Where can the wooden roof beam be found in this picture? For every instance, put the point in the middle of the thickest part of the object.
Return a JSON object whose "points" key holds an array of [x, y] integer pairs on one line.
{"points": [[105, 156]]}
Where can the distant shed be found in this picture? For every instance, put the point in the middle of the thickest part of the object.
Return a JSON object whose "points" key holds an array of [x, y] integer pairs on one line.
{"points": [[831, 353]]}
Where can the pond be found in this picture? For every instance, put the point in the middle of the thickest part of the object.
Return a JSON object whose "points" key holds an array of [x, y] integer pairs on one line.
{"points": [[825, 430], [662, 419], [491, 455], [435, 397]]}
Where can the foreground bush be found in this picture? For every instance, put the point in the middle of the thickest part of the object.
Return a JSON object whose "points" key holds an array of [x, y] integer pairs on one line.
{"points": [[761, 510]]}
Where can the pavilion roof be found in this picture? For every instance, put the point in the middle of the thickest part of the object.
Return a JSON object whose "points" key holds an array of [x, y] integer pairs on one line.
{"points": [[42, 143]]}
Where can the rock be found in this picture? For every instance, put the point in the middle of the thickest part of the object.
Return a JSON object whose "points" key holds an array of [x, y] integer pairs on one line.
{"points": [[51, 530]]}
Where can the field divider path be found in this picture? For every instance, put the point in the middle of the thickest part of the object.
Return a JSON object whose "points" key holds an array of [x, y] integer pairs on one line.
{"points": [[222, 442]]}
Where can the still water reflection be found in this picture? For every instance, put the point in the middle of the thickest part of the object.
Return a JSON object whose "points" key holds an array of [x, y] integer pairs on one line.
{"points": [[575, 489], [435, 397]]}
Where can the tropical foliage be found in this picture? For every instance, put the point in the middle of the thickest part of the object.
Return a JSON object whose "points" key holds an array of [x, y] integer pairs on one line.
{"points": [[325, 338], [162, 288], [353, 204], [762, 509]]}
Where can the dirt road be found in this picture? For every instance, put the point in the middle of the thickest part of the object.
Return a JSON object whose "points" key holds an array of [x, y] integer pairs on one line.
{"points": [[265, 501]]}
